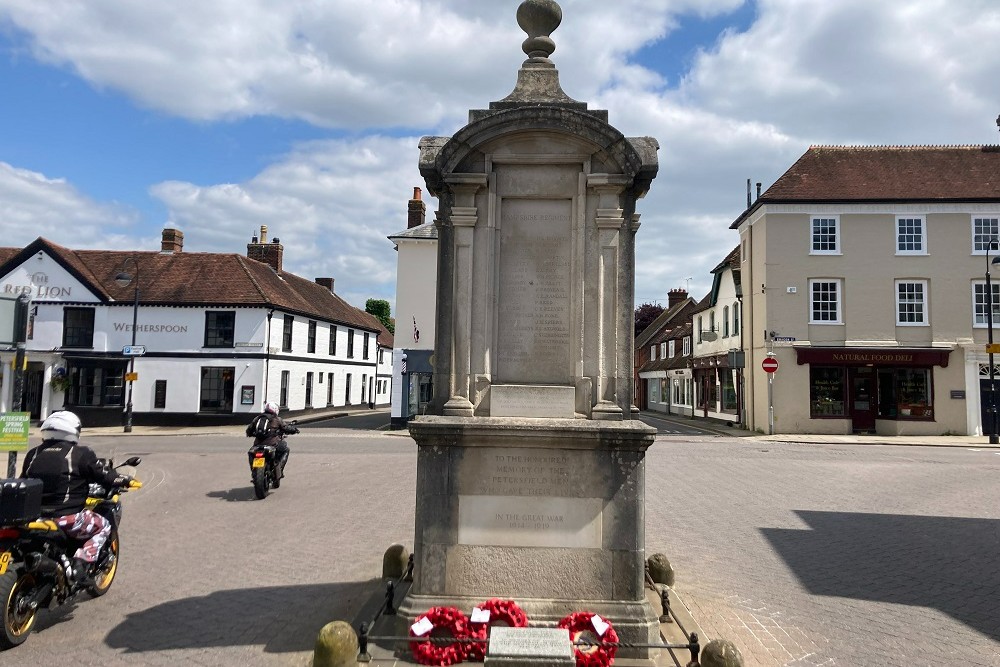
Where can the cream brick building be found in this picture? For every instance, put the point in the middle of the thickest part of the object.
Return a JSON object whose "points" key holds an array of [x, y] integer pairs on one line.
{"points": [[864, 272]]}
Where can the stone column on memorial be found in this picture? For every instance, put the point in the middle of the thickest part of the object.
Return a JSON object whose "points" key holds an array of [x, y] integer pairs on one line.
{"points": [[463, 219]]}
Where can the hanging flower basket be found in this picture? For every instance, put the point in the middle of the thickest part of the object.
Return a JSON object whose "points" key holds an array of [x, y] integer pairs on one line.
{"points": [[500, 612], [439, 623], [60, 382]]}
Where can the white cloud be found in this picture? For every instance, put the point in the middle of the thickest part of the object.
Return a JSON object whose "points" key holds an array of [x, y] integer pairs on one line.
{"points": [[331, 203], [856, 71], [32, 205]]}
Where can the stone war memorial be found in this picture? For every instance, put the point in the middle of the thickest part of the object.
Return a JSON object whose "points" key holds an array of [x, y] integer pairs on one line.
{"points": [[530, 472]]}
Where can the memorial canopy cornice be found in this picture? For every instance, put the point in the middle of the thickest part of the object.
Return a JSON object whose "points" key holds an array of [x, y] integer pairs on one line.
{"points": [[633, 157]]}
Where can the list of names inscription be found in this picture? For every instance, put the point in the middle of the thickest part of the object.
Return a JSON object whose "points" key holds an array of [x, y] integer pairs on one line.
{"points": [[534, 296]]}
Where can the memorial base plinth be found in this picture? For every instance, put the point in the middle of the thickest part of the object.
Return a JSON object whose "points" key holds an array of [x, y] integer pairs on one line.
{"points": [[546, 512]]}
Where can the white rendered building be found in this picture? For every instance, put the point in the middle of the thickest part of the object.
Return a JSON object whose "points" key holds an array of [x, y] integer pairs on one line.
{"points": [[219, 333]]}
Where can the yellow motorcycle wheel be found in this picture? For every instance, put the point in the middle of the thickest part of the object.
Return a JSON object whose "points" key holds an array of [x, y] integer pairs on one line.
{"points": [[16, 587], [103, 578]]}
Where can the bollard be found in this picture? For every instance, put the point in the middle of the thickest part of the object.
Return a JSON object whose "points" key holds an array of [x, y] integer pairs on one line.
{"points": [[336, 646], [390, 594], [695, 648], [721, 653], [394, 562], [665, 605], [660, 569], [363, 654]]}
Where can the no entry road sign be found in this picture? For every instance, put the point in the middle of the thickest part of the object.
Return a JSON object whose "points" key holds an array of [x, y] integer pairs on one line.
{"points": [[769, 364]]}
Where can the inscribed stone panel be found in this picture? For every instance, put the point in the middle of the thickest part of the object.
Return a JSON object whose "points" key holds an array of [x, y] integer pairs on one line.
{"points": [[533, 337]]}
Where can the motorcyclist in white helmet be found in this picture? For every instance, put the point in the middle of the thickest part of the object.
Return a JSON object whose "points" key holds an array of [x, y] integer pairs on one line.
{"points": [[271, 434], [66, 469]]}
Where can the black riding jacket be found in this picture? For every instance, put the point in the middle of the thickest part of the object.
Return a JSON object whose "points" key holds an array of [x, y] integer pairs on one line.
{"points": [[276, 428], [66, 469]]}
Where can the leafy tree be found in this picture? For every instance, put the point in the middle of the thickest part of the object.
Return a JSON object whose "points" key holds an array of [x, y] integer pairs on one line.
{"points": [[644, 316], [380, 309]]}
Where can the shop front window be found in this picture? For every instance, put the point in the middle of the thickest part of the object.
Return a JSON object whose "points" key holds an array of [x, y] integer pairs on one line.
{"points": [[827, 391], [728, 391], [913, 393]]}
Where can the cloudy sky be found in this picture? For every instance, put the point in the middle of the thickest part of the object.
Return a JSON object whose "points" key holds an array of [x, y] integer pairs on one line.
{"points": [[118, 118]]}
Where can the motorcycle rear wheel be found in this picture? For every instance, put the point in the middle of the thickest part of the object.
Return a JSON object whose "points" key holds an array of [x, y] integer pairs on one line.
{"points": [[260, 482], [103, 578], [16, 586]]}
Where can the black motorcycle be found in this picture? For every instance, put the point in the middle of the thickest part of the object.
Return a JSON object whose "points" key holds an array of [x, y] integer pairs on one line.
{"points": [[266, 469], [36, 555]]}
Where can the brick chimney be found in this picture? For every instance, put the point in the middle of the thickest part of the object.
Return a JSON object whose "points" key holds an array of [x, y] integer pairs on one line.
{"points": [[675, 296], [416, 211], [325, 282], [172, 240], [262, 251]]}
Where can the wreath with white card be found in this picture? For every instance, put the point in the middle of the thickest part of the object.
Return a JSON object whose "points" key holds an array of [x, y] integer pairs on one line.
{"points": [[439, 623], [491, 613], [591, 627]]}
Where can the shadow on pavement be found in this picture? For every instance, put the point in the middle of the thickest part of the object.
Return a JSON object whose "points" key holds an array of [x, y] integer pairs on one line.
{"points": [[283, 619], [234, 495], [943, 563]]}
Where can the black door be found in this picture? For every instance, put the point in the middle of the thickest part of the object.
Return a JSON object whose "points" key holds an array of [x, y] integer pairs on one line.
{"points": [[862, 389], [987, 402]]}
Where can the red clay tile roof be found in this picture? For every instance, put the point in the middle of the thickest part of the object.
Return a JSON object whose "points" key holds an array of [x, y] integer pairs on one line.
{"points": [[887, 174], [197, 279]]}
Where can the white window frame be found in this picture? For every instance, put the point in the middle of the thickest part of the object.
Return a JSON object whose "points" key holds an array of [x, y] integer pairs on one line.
{"points": [[686, 346], [979, 239], [725, 321], [670, 348], [652, 352], [925, 310], [979, 308], [922, 220], [663, 350], [736, 318], [701, 325], [839, 310], [836, 235]]}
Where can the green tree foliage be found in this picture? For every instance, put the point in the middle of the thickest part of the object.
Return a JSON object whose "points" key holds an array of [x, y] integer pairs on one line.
{"points": [[380, 309], [644, 316]]}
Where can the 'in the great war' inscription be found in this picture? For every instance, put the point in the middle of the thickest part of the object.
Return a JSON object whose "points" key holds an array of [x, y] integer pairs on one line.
{"points": [[534, 296]]}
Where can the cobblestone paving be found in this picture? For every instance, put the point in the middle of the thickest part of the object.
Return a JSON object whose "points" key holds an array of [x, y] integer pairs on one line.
{"points": [[833, 555], [803, 555]]}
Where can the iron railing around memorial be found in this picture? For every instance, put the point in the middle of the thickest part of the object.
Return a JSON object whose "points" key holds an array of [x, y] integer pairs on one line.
{"points": [[388, 608]]}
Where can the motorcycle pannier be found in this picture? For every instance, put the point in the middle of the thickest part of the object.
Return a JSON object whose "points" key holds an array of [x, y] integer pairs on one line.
{"points": [[20, 500]]}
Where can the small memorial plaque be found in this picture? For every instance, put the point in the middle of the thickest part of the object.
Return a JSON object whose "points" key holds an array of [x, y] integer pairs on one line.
{"points": [[514, 647]]}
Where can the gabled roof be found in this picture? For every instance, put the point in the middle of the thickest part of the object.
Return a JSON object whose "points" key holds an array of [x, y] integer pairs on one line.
{"points": [[661, 321], [842, 174], [196, 279]]}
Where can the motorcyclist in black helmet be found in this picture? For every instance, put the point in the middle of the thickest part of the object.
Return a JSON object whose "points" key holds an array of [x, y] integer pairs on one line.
{"points": [[67, 469]]}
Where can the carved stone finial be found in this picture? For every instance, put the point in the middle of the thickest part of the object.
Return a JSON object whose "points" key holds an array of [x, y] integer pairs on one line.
{"points": [[539, 18]]}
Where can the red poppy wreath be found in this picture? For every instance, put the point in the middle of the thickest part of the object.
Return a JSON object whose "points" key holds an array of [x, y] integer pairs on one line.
{"points": [[583, 623], [439, 623], [500, 612]]}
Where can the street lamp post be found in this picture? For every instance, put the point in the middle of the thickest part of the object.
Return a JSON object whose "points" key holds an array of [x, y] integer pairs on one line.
{"points": [[994, 438], [124, 279]]}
